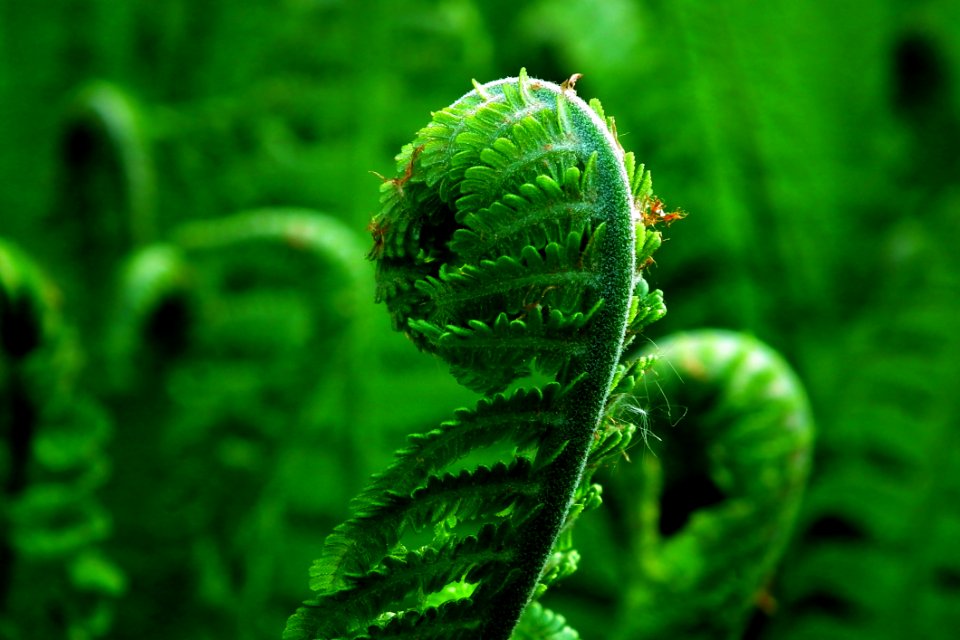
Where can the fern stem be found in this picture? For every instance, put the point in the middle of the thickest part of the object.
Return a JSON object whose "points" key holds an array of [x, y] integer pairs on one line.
{"points": [[617, 266]]}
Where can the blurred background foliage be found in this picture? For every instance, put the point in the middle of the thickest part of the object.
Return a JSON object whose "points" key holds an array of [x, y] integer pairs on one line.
{"points": [[238, 385]]}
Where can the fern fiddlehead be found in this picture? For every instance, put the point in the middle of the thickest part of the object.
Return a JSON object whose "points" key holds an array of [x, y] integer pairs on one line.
{"points": [[54, 579], [109, 168], [709, 513], [508, 245], [213, 353]]}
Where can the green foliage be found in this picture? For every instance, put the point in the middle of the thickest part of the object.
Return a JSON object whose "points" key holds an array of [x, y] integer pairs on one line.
{"points": [[809, 142], [813, 144], [705, 512], [105, 142], [55, 580], [214, 361], [539, 623], [514, 153]]}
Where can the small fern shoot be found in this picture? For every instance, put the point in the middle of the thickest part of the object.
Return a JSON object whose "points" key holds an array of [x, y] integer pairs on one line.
{"points": [[214, 355], [55, 579], [509, 243], [709, 509]]}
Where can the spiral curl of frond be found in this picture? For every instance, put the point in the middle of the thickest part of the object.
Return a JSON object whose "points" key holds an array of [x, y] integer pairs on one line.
{"points": [[509, 243], [712, 511], [510, 224]]}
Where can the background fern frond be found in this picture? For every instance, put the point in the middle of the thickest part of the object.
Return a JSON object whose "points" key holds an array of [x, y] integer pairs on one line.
{"points": [[233, 310], [55, 579], [707, 507]]}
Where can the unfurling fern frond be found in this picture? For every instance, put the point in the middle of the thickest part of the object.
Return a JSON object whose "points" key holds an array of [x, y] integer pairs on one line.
{"points": [[106, 196], [105, 145], [709, 509], [54, 580], [510, 244], [232, 311]]}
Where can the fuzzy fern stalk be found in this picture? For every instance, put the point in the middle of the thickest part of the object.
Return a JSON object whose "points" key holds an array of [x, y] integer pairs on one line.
{"points": [[54, 581], [509, 243], [710, 507]]}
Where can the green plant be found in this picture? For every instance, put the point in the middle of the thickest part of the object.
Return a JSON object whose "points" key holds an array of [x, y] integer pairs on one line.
{"points": [[701, 517], [510, 244], [105, 200], [109, 178], [54, 579], [215, 372]]}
